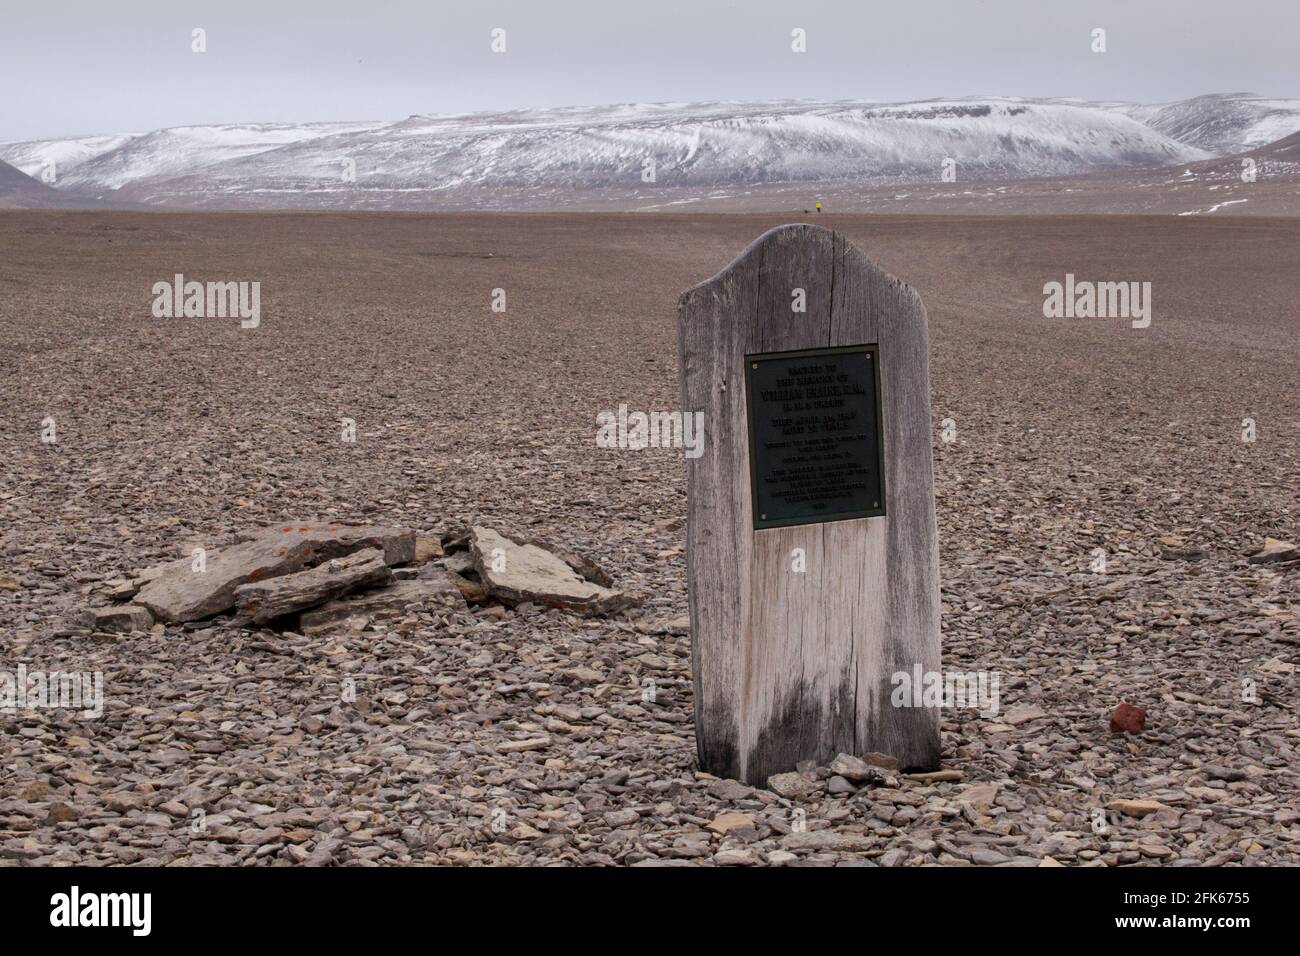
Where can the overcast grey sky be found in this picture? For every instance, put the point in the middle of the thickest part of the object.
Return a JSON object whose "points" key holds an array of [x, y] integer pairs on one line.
{"points": [[90, 66]]}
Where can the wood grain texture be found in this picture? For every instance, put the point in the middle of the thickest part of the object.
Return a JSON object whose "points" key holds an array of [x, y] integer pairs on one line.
{"points": [[793, 666]]}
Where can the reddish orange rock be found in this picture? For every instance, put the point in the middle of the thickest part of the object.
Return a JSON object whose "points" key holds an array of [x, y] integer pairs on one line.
{"points": [[1128, 719]]}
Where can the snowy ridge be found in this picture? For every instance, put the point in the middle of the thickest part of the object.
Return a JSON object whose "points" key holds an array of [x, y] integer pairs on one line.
{"points": [[110, 162], [543, 157], [1222, 123]]}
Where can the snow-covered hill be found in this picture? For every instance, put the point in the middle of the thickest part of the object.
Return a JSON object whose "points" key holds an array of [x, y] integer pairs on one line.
{"points": [[715, 145], [110, 162], [1222, 123], [19, 189], [551, 157]]}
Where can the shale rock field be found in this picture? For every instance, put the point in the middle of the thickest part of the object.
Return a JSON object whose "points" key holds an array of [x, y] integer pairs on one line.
{"points": [[1100, 492]]}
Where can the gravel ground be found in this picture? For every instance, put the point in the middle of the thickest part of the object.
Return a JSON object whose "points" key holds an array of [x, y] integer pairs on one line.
{"points": [[500, 737]]}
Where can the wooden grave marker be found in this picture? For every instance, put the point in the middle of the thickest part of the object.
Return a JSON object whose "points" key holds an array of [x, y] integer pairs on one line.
{"points": [[812, 552]]}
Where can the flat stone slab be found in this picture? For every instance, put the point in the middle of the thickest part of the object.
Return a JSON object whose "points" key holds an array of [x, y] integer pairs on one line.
{"points": [[260, 602], [859, 770], [1275, 549], [516, 573], [434, 586], [176, 592], [123, 619], [1136, 808], [583, 565], [427, 548]]}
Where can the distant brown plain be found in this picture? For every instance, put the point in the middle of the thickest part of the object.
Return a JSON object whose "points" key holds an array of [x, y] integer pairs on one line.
{"points": [[385, 318]]}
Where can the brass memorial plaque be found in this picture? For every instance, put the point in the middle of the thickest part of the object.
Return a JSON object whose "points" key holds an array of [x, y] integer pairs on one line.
{"points": [[815, 447]]}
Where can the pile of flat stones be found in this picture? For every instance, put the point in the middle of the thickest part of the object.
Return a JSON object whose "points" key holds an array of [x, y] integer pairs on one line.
{"points": [[314, 576]]}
